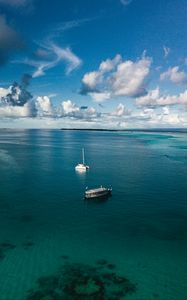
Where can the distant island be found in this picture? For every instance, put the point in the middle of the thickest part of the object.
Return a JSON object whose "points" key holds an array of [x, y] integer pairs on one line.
{"points": [[183, 130]]}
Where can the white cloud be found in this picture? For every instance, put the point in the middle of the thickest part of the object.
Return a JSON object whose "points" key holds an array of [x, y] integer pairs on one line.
{"points": [[129, 77], [175, 75], [17, 102], [40, 66], [69, 115], [154, 99], [117, 78], [92, 79], [166, 118], [100, 97], [120, 111], [4, 92], [110, 64], [66, 54], [44, 106], [57, 55], [166, 51], [69, 109], [149, 99], [166, 110], [24, 111]]}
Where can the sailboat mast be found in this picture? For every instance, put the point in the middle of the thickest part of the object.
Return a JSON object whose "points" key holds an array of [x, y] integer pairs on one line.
{"points": [[83, 156]]}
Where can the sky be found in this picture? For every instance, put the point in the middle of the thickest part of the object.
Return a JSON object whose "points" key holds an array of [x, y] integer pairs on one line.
{"points": [[114, 64]]}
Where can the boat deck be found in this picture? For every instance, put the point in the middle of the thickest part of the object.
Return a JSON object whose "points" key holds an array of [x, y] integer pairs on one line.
{"points": [[98, 190]]}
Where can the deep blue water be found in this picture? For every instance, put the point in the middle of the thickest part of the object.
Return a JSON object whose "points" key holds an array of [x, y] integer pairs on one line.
{"points": [[142, 228]]}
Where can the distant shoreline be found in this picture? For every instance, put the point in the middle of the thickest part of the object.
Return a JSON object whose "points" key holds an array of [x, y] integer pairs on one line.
{"points": [[156, 130], [180, 130]]}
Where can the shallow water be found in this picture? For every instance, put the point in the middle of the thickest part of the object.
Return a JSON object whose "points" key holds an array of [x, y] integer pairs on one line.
{"points": [[141, 229]]}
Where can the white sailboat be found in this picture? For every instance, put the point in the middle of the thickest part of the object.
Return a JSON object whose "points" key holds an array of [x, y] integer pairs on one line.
{"points": [[82, 167]]}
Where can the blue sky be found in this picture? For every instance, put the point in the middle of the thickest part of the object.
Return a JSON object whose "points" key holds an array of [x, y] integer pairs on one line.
{"points": [[95, 64]]}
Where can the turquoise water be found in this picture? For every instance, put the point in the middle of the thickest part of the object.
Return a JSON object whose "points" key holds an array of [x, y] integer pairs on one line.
{"points": [[44, 219]]}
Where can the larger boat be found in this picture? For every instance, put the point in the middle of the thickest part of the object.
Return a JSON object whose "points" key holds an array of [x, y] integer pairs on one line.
{"points": [[82, 167], [98, 192]]}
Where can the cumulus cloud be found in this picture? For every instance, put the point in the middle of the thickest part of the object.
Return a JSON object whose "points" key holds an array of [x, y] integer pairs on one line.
{"points": [[15, 95], [25, 111], [10, 40], [44, 114], [17, 102], [69, 109], [100, 97], [154, 99], [66, 109], [174, 75], [120, 111], [129, 78], [44, 106], [117, 78], [91, 81], [165, 117], [3, 92]]}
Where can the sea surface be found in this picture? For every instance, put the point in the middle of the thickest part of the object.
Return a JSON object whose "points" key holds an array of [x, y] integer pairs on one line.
{"points": [[45, 223]]}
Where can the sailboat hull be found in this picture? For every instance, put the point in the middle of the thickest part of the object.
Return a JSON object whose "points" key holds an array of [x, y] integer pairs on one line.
{"points": [[81, 168]]}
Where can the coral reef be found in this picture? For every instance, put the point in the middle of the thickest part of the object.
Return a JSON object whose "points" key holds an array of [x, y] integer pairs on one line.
{"points": [[82, 282], [111, 266]]}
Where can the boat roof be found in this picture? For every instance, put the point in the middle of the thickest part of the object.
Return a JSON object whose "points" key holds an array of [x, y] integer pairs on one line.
{"points": [[97, 190]]}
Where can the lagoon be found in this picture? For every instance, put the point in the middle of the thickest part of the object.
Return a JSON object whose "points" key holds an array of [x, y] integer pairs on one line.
{"points": [[45, 221]]}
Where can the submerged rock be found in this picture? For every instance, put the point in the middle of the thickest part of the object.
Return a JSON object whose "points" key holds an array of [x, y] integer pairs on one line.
{"points": [[4, 247], [81, 282], [27, 245], [7, 246]]}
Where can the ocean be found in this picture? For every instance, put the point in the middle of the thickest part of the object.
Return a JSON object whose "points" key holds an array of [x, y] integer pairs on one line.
{"points": [[55, 245]]}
